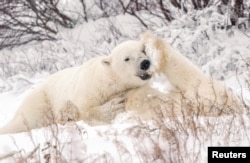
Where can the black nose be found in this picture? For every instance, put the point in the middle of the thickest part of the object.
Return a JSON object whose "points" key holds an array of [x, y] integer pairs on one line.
{"points": [[145, 64]]}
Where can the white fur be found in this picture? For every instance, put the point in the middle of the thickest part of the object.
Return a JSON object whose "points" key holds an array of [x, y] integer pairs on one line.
{"points": [[82, 92], [185, 90]]}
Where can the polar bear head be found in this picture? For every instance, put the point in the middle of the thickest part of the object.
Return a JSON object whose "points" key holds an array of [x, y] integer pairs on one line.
{"points": [[130, 63]]}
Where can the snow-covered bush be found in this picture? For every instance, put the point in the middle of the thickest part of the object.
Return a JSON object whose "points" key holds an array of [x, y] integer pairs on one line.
{"points": [[23, 21], [204, 34]]}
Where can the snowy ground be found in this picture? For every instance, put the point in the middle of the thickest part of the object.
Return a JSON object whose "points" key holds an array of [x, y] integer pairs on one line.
{"points": [[217, 52]]}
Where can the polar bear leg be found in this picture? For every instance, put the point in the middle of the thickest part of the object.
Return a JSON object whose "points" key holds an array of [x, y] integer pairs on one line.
{"points": [[106, 112], [69, 113]]}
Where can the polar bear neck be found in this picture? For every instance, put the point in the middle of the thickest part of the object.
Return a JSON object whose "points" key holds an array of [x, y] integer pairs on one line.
{"points": [[109, 84]]}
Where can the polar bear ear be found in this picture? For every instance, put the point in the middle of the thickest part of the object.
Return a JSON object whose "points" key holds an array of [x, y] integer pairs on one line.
{"points": [[106, 61]]}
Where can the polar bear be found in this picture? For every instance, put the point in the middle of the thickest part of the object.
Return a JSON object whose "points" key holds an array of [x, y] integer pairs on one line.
{"points": [[188, 91], [81, 93]]}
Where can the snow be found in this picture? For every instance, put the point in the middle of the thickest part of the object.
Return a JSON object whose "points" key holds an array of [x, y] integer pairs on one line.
{"points": [[160, 83], [198, 35]]}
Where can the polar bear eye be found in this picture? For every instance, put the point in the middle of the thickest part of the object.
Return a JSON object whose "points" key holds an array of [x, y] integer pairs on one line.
{"points": [[126, 59]]}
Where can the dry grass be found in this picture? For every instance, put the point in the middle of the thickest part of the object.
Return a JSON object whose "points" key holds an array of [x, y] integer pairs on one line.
{"points": [[182, 138]]}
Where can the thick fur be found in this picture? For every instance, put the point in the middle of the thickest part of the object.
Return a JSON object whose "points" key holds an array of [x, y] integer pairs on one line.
{"points": [[83, 92], [190, 92]]}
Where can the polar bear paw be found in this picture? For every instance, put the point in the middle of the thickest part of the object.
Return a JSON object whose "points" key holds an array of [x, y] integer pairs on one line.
{"points": [[109, 110], [69, 113]]}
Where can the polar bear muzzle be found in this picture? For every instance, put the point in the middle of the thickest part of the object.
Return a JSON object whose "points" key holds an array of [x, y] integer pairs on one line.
{"points": [[145, 76]]}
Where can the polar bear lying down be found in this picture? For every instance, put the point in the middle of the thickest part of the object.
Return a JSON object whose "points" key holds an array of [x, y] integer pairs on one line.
{"points": [[187, 90], [83, 92]]}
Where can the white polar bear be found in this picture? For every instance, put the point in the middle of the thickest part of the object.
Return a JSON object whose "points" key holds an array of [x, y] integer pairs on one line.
{"points": [[187, 90], [81, 93]]}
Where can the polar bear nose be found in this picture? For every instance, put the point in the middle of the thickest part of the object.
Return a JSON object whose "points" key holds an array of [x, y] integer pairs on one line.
{"points": [[145, 64]]}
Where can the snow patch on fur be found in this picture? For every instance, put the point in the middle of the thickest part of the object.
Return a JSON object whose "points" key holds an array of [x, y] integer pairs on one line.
{"points": [[160, 83]]}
